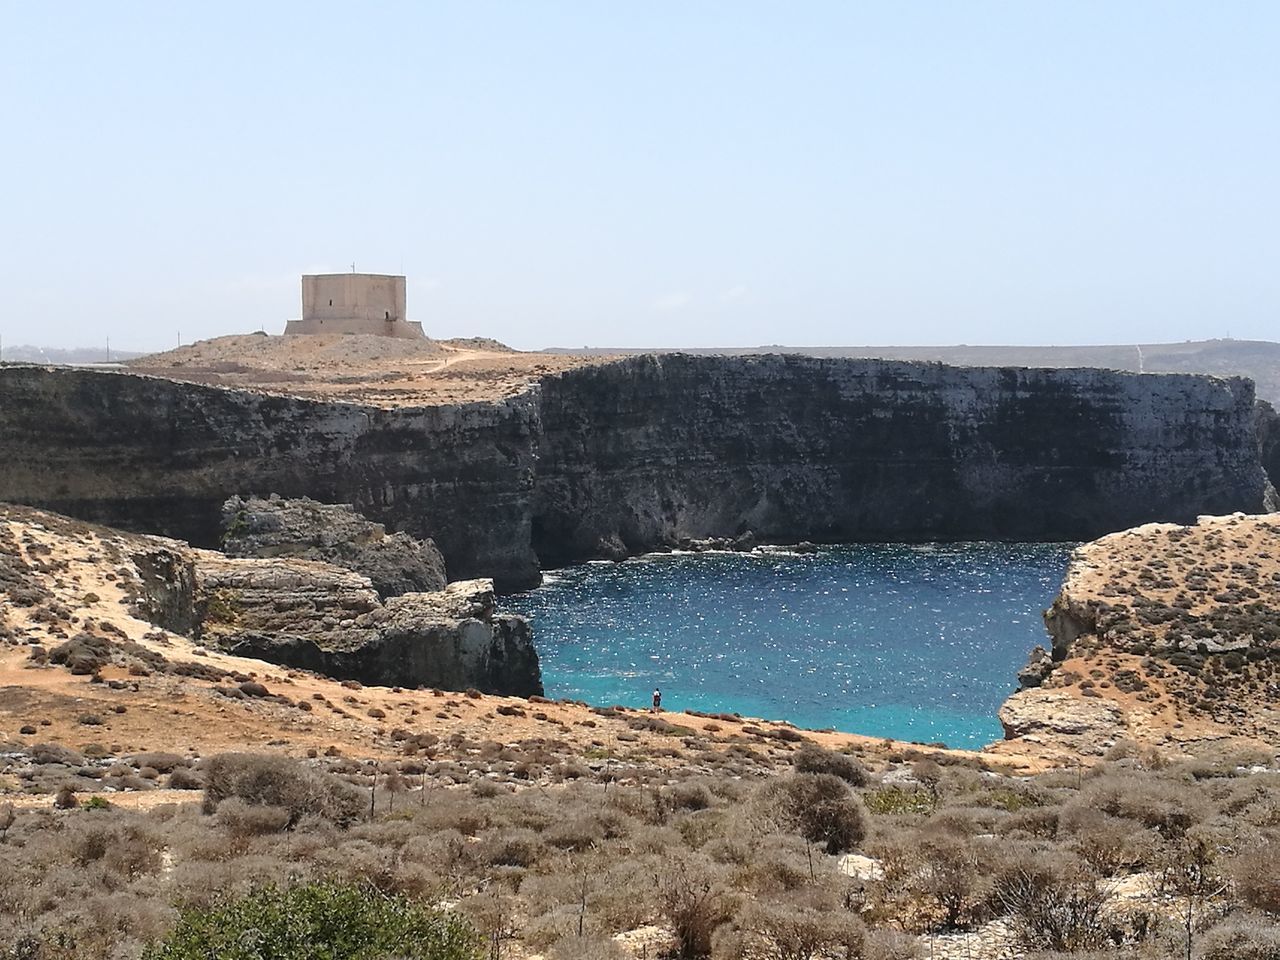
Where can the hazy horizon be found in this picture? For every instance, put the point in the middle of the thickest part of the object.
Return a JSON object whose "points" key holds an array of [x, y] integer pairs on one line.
{"points": [[719, 175]]}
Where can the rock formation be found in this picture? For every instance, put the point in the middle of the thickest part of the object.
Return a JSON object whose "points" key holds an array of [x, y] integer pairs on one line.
{"points": [[645, 452], [1163, 634], [295, 612], [275, 527], [1268, 428], [316, 616]]}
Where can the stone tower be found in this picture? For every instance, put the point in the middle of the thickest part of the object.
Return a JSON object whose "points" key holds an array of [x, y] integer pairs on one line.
{"points": [[369, 303]]}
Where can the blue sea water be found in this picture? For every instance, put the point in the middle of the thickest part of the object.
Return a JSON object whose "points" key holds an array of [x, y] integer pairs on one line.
{"points": [[912, 642]]}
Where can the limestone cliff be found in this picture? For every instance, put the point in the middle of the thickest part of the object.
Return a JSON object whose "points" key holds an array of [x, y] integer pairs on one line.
{"points": [[316, 616], [627, 456], [648, 451], [1268, 427], [159, 456]]}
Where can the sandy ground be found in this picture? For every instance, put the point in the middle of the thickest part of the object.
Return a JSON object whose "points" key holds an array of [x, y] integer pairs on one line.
{"points": [[368, 369]]}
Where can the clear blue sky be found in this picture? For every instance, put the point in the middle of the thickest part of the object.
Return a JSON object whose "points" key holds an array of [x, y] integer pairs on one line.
{"points": [[659, 173]]}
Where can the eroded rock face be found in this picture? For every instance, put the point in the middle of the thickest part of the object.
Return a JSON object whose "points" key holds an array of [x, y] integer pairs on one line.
{"points": [[276, 527], [618, 458], [1268, 426], [316, 616], [647, 452]]}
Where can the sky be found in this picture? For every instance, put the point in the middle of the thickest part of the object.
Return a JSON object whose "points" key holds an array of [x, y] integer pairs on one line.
{"points": [[705, 173]]}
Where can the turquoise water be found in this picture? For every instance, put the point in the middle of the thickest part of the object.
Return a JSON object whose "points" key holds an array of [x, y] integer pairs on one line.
{"points": [[912, 642]]}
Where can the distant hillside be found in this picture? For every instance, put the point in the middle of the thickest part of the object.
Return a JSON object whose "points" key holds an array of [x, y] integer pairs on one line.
{"points": [[26, 353], [1257, 359]]}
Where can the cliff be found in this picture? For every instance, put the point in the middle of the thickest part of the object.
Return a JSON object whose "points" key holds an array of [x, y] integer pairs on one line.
{"points": [[645, 452], [632, 455], [316, 616], [159, 456], [1163, 635]]}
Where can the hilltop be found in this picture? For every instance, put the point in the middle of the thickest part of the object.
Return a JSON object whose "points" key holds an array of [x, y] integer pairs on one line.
{"points": [[368, 369]]}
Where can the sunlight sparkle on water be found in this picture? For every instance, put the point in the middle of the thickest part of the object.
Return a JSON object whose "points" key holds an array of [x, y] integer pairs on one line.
{"points": [[918, 643]]}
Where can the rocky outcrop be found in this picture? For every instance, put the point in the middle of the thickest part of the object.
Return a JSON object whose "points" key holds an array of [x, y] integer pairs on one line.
{"points": [[71, 576], [1084, 727], [275, 527], [614, 459], [1165, 634], [316, 616], [1037, 668]]}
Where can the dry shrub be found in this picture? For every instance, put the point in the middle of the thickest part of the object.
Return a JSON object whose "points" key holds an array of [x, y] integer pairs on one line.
{"points": [[516, 848], [279, 782], [160, 762], [819, 807], [771, 865], [688, 796], [952, 875], [125, 845], [242, 819], [1054, 906], [800, 927], [1108, 844], [812, 758], [1166, 807], [586, 948], [693, 899], [890, 944], [1257, 877], [1241, 939], [184, 779]]}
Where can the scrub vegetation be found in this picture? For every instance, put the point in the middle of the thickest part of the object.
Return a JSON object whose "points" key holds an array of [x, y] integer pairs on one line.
{"points": [[836, 857]]}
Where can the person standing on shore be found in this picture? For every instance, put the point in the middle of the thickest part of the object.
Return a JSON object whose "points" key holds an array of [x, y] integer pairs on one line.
{"points": [[657, 700]]}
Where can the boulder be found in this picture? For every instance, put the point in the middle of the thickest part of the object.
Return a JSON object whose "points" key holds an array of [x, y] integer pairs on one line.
{"points": [[1037, 668]]}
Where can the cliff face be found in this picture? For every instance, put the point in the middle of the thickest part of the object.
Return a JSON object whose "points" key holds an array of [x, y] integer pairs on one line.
{"points": [[627, 456], [158, 456], [652, 449], [1267, 424], [317, 616]]}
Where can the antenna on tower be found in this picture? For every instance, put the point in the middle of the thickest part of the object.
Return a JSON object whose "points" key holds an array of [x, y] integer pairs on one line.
{"points": [[353, 266]]}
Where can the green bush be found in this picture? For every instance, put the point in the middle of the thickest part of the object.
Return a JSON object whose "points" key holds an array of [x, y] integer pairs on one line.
{"points": [[315, 921]]}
